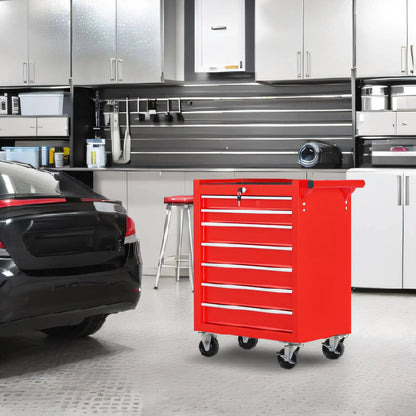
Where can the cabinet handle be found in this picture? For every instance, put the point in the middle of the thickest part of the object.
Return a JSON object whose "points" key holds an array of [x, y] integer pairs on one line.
{"points": [[25, 72], [406, 190], [31, 73], [119, 69], [412, 57], [218, 27], [308, 64], [403, 123], [399, 190], [113, 69], [403, 68], [299, 63]]}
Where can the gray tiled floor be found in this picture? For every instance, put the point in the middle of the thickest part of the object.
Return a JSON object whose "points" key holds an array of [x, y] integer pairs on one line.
{"points": [[146, 362]]}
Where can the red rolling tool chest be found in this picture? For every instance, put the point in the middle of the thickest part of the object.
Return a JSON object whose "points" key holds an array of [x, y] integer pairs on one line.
{"points": [[272, 261]]}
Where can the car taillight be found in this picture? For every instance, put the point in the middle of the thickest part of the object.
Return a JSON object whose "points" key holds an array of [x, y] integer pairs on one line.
{"points": [[3, 251], [130, 227], [130, 231]]}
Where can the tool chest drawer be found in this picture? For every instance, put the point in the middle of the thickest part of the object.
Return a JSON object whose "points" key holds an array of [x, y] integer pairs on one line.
{"points": [[240, 274], [252, 296], [253, 254], [240, 316], [247, 233]]}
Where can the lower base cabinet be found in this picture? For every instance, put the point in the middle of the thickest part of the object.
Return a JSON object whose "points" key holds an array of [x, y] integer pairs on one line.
{"points": [[383, 226]]}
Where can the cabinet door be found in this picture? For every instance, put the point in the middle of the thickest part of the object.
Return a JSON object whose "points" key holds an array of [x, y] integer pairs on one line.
{"points": [[17, 126], [381, 37], [93, 41], [49, 42], [278, 39], [219, 36], [406, 123], [327, 38], [411, 56], [376, 123], [53, 126], [13, 42], [377, 229], [139, 41], [409, 240]]}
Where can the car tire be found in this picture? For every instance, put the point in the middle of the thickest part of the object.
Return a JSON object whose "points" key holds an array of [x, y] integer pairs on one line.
{"points": [[87, 327]]}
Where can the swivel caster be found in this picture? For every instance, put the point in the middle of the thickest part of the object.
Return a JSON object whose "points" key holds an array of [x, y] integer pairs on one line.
{"points": [[333, 347], [209, 345], [288, 356], [247, 343]]}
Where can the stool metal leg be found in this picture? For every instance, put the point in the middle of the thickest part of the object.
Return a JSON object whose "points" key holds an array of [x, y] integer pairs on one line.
{"points": [[191, 249], [179, 246], [164, 241]]}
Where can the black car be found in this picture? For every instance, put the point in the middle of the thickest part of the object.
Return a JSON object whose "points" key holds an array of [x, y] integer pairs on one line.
{"points": [[68, 256]]}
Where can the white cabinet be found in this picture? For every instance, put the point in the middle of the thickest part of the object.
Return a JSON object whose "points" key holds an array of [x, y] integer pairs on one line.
{"points": [[386, 123], [382, 47], [17, 126], [52, 126], [376, 123], [122, 41], [34, 126], [219, 35], [409, 230], [406, 123], [383, 222], [296, 40], [35, 42]]}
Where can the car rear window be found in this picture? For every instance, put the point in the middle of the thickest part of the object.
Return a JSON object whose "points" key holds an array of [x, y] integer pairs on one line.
{"points": [[20, 181]]}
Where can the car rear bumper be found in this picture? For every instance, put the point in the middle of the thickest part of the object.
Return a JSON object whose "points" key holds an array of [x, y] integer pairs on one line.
{"points": [[30, 302]]}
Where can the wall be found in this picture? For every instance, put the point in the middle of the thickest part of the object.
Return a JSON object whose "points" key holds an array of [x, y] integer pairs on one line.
{"points": [[236, 124]]}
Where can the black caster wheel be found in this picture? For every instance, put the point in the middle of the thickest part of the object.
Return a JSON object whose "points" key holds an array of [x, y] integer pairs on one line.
{"points": [[213, 348], [333, 355], [249, 344], [286, 364]]}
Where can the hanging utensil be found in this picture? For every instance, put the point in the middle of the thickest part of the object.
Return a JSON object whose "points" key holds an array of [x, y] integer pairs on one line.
{"points": [[125, 154], [127, 137], [115, 134]]}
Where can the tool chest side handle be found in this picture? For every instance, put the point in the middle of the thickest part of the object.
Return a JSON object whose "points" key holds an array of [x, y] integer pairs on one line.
{"points": [[335, 184]]}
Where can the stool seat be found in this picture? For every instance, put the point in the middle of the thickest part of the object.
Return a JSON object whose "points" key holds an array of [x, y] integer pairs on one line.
{"points": [[179, 199]]}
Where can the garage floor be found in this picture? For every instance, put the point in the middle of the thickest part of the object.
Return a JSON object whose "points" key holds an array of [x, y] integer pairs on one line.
{"points": [[146, 362]]}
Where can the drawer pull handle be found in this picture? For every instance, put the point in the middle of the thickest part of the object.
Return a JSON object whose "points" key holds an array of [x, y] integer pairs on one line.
{"points": [[247, 308], [246, 266], [266, 198], [248, 211], [257, 246], [255, 288], [244, 225]]}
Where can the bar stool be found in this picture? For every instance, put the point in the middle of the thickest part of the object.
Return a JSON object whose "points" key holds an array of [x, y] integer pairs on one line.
{"points": [[184, 203]]}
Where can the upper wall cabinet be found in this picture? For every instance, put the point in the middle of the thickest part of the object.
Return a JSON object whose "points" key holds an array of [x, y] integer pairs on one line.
{"points": [[34, 42], [117, 41], [219, 35], [382, 47], [296, 40]]}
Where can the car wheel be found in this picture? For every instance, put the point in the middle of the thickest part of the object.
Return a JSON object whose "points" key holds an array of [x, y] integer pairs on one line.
{"points": [[87, 327]]}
